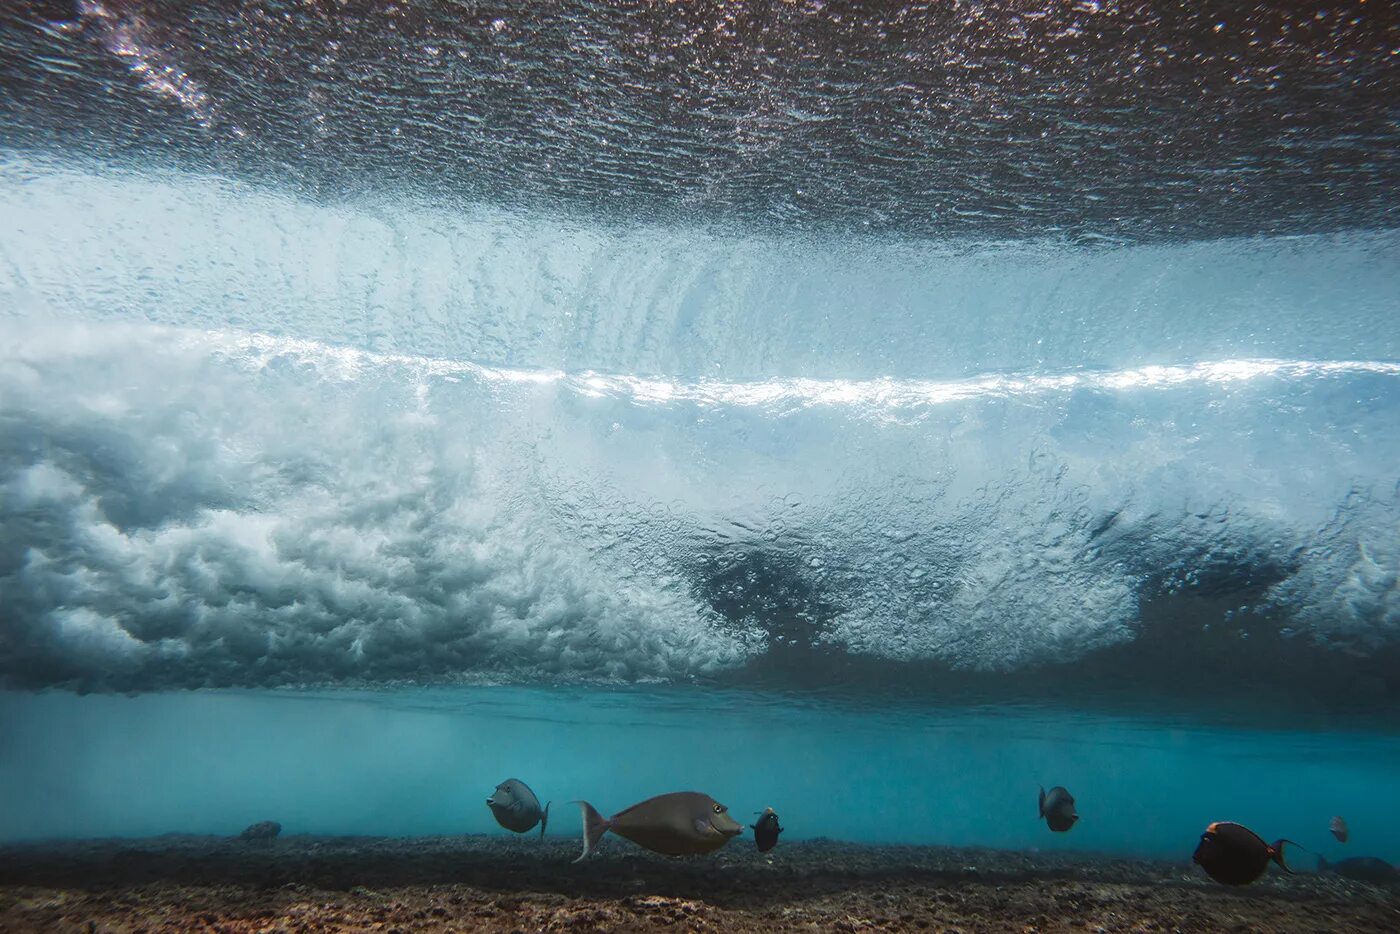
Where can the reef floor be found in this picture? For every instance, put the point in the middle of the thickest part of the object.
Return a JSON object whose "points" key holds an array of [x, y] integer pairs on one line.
{"points": [[493, 883]]}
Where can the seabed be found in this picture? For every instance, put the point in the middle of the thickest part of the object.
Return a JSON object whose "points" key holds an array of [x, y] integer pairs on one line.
{"points": [[492, 883]]}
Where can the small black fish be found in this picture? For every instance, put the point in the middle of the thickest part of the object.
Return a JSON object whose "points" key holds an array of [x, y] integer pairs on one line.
{"points": [[1362, 868], [766, 830], [1235, 855], [1057, 807]]}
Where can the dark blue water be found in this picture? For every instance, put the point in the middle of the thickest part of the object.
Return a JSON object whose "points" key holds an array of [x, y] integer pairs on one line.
{"points": [[875, 417]]}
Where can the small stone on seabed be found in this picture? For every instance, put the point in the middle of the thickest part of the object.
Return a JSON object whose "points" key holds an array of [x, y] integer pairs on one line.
{"points": [[262, 830]]}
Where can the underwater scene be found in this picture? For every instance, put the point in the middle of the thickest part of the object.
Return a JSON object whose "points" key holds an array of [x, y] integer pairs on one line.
{"points": [[722, 466]]}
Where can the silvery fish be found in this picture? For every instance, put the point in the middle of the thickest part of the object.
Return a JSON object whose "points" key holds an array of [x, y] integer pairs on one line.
{"points": [[516, 808], [1057, 807]]}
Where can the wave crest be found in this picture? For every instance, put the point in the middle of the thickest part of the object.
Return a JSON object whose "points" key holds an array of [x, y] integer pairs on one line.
{"points": [[196, 508]]}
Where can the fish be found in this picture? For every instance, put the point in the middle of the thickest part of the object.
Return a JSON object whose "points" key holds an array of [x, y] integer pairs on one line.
{"points": [[1057, 807], [681, 823], [766, 830], [1339, 829], [516, 808], [262, 830], [1362, 868], [1235, 855]]}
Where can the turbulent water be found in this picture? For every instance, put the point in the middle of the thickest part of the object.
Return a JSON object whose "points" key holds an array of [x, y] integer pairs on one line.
{"points": [[810, 367], [236, 455]]}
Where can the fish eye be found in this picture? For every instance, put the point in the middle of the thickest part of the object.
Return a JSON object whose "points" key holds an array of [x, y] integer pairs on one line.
{"points": [[719, 809]]}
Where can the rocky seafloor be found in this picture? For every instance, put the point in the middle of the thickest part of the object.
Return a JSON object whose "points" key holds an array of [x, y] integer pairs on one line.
{"points": [[494, 883]]}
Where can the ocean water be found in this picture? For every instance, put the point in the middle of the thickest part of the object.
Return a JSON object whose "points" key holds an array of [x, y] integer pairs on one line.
{"points": [[871, 415]]}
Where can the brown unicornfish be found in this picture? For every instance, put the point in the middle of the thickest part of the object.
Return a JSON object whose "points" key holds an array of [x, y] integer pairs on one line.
{"points": [[682, 823], [1339, 829], [1235, 855]]}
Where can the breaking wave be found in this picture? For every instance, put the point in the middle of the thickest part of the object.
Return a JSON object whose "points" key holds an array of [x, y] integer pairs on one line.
{"points": [[196, 506], [530, 291]]}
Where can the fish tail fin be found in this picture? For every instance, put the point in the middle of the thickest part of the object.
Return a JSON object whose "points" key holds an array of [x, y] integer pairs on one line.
{"points": [[544, 818], [594, 826], [1276, 852], [1042, 800]]}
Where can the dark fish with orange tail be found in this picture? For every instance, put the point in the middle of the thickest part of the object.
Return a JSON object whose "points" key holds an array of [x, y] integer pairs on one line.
{"points": [[1235, 855], [682, 823]]}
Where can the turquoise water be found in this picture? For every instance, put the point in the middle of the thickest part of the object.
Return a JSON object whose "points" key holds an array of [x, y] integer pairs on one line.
{"points": [[420, 762], [856, 416]]}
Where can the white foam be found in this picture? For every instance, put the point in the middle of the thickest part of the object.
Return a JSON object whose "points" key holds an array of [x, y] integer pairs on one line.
{"points": [[183, 506]]}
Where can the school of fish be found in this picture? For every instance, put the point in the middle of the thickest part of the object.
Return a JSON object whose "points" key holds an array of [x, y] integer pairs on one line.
{"points": [[690, 823]]}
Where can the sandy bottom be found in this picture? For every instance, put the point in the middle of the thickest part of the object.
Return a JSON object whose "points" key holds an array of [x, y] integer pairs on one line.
{"points": [[182, 883]]}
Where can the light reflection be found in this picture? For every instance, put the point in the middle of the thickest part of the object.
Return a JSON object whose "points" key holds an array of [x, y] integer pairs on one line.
{"points": [[124, 36], [792, 392]]}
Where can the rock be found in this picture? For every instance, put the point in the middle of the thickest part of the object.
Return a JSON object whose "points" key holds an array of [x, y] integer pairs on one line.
{"points": [[262, 830]]}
